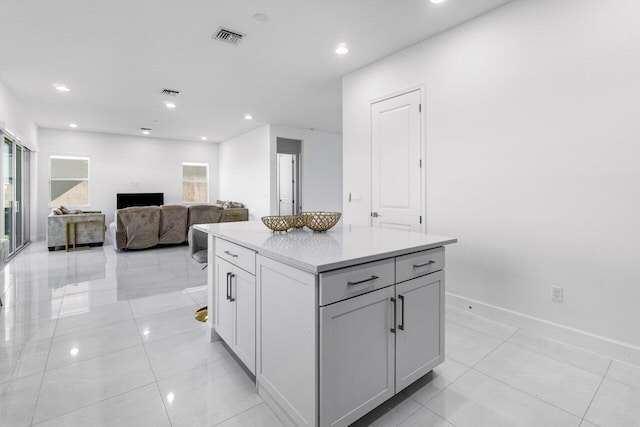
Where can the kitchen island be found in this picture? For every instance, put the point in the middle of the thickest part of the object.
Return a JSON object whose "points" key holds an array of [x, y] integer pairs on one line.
{"points": [[331, 324]]}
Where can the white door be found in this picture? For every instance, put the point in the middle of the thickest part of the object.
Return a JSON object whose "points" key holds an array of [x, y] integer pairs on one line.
{"points": [[243, 290], [356, 356], [418, 344], [396, 200], [286, 184]]}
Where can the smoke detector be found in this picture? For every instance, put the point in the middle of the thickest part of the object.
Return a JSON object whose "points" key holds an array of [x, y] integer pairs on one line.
{"points": [[228, 36]]}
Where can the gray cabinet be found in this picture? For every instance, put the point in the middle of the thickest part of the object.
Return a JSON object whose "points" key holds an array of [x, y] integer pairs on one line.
{"points": [[419, 347], [356, 356], [374, 345], [235, 314]]}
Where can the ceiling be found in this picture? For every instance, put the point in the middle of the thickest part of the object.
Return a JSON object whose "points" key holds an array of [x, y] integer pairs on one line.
{"points": [[116, 56]]}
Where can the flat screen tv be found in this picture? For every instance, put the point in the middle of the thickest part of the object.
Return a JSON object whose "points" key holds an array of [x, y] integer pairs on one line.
{"points": [[127, 200]]}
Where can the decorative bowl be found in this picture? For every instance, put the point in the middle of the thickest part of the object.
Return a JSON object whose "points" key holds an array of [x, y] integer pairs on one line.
{"points": [[277, 223], [297, 221], [321, 221]]}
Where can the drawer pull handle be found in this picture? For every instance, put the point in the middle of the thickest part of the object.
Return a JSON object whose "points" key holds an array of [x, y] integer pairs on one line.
{"points": [[228, 285], [393, 301], [230, 254], [362, 281], [401, 326], [231, 276], [424, 265]]}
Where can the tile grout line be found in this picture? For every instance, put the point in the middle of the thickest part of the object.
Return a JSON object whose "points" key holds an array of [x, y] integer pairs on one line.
{"points": [[557, 359], [146, 354], [468, 368], [527, 393], [511, 386], [471, 368], [482, 332], [524, 391], [94, 403], [86, 360], [44, 371], [604, 376], [237, 415]]}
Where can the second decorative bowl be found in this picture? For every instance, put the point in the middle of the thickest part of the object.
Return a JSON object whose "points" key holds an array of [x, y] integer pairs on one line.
{"points": [[321, 221], [297, 221], [277, 223]]}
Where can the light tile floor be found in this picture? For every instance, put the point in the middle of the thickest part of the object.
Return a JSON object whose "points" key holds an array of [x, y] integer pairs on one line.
{"points": [[99, 338]]}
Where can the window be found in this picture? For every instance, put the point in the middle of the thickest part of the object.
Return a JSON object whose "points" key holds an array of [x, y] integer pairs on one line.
{"points": [[69, 181], [195, 182]]}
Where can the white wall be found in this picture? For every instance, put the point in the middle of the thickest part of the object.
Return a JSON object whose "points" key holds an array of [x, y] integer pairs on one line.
{"points": [[124, 164], [531, 157], [321, 165], [248, 169], [245, 171], [14, 118]]}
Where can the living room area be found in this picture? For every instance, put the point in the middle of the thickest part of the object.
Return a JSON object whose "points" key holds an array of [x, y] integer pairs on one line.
{"points": [[523, 119]]}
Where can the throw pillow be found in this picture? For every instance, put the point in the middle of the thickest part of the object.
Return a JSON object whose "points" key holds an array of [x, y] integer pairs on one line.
{"points": [[226, 205], [236, 204], [64, 210], [56, 211]]}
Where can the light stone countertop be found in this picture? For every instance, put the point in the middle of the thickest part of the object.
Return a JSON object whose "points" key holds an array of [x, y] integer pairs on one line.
{"points": [[317, 252]]}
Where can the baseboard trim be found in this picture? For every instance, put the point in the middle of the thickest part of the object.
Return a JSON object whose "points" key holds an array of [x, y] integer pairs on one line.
{"points": [[579, 338]]}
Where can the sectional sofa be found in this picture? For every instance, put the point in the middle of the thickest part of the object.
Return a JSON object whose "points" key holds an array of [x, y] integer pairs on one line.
{"points": [[149, 226]]}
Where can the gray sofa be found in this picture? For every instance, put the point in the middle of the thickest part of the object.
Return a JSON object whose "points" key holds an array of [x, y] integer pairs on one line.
{"points": [[149, 226]]}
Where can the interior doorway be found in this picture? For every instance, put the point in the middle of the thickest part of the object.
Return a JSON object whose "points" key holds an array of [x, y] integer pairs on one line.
{"points": [[288, 172], [396, 162]]}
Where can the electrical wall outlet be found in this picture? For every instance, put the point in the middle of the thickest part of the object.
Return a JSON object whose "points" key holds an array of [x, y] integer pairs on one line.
{"points": [[557, 294]]}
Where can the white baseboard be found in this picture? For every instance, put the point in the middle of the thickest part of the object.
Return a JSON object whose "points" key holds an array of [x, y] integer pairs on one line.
{"points": [[586, 340]]}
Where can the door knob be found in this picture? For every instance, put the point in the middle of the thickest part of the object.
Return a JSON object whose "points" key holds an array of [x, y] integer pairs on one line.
{"points": [[375, 214]]}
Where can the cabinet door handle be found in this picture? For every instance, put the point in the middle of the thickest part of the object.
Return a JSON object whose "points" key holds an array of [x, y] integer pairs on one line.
{"points": [[393, 301], [401, 326], [228, 284], [424, 265], [231, 298], [230, 254], [363, 281]]}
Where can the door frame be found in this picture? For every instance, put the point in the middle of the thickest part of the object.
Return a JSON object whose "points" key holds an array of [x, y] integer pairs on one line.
{"points": [[422, 88], [297, 205], [26, 191]]}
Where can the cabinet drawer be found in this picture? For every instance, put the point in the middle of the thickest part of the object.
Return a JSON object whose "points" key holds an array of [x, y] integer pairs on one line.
{"points": [[236, 255], [419, 264], [344, 283]]}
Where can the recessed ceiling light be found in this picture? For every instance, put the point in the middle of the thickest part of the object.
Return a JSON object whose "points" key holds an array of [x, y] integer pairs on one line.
{"points": [[248, 117], [61, 88], [260, 17], [170, 105], [437, 1], [204, 138], [74, 351], [342, 49], [145, 131], [73, 125]]}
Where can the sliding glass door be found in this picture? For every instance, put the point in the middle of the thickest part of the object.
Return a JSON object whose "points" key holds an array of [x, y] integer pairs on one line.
{"points": [[15, 166]]}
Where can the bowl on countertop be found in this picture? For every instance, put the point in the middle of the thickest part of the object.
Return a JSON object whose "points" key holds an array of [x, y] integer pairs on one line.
{"points": [[277, 223], [321, 221], [297, 221]]}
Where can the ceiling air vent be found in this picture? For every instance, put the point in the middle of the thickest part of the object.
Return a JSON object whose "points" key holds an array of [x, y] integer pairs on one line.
{"points": [[170, 92], [228, 36]]}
